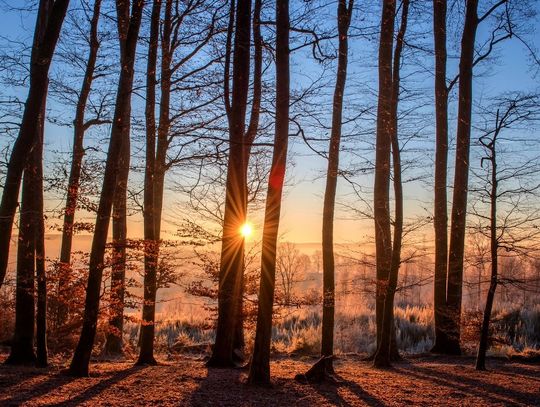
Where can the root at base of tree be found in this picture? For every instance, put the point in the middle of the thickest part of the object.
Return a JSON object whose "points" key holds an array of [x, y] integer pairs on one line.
{"points": [[321, 371]]}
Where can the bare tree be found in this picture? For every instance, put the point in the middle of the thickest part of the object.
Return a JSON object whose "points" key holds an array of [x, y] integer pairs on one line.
{"points": [[128, 29], [80, 125], [50, 17], [507, 190], [232, 252], [259, 372]]}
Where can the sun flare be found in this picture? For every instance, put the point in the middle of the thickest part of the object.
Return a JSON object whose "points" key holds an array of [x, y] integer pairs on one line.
{"points": [[246, 230]]}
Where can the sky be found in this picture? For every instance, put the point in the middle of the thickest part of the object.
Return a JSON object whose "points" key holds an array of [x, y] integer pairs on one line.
{"points": [[303, 199]]}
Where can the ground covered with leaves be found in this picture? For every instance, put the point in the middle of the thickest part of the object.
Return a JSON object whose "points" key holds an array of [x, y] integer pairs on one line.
{"points": [[423, 380]]}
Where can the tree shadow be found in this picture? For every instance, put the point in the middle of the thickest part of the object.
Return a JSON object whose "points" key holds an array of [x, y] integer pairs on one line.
{"points": [[59, 379], [491, 392], [330, 392]]}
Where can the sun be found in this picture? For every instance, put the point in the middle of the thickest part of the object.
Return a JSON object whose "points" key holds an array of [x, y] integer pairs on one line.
{"points": [[246, 230]]}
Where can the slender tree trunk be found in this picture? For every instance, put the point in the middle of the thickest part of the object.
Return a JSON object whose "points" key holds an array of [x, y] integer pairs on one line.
{"points": [[49, 22], [128, 30], [113, 344], [22, 348], [249, 138], [440, 218], [494, 247], [232, 247], [461, 180], [383, 239], [259, 372], [76, 165], [39, 245], [151, 237], [387, 349], [327, 340]]}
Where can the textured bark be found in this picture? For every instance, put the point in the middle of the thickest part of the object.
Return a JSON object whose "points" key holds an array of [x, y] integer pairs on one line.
{"points": [[249, 138], [387, 349], [22, 348], [232, 253], [461, 180], [49, 22], [76, 164], [113, 344], [383, 239], [327, 341], [39, 246], [259, 372], [128, 31], [440, 218], [151, 236]]}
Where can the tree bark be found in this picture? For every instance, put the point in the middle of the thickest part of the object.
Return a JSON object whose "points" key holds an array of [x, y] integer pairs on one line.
{"points": [[259, 372], [39, 246], [151, 235], [440, 218], [249, 138], [383, 239], [76, 165], [327, 341], [128, 30], [49, 22], [113, 344], [232, 249], [461, 180], [387, 349]]}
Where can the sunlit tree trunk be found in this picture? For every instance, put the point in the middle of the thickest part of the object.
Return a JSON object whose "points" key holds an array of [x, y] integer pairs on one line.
{"points": [[77, 155], [113, 344], [151, 236], [461, 180], [387, 348], [383, 239], [249, 138], [232, 249], [440, 218], [259, 372], [128, 32], [48, 25], [327, 342]]}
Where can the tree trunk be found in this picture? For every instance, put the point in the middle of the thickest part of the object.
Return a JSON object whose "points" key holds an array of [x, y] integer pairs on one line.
{"points": [[232, 247], [461, 180], [494, 247], [327, 339], [48, 25], [113, 344], [440, 217], [151, 236], [39, 246], [22, 348], [259, 372], [76, 165], [249, 138], [387, 349], [128, 30], [383, 239]]}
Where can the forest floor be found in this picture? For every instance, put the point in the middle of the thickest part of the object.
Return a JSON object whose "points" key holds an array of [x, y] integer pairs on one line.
{"points": [[184, 381]]}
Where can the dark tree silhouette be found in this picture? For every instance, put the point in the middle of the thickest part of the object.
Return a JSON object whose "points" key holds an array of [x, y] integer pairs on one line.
{"points": [[387, 347], [80, 125], [232, 253], [259, 372], [50, 17], [128, 29]]}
